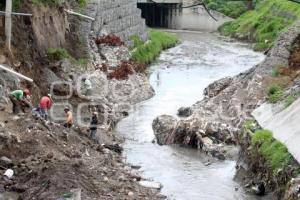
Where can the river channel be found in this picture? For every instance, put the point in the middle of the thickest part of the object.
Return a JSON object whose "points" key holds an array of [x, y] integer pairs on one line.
{"points": [[179, 77]]}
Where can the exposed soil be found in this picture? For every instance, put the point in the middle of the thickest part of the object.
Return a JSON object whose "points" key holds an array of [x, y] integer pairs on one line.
{"points": [[47, 166]]}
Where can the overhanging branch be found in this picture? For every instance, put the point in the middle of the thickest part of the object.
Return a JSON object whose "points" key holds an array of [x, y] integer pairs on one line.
{"points": [[190, 6]]}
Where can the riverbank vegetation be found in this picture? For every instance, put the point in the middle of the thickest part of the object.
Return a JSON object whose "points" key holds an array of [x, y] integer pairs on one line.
{"points": [[146, 52], [229, 8], [274, 152], [274, 93], [263, 24]]}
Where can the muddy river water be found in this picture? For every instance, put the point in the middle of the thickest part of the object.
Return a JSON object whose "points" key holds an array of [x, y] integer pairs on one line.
{"points": [[178, 77]]}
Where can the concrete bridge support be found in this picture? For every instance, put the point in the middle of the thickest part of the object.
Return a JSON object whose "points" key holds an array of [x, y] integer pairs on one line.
{"points": [[161, 15]]}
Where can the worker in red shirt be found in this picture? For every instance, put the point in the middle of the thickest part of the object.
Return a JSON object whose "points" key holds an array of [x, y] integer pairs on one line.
{"points": [[45, 105]]}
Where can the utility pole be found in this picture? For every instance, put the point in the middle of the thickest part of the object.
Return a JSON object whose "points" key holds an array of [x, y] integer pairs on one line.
{"points": [[8, 22], [8, 10]]}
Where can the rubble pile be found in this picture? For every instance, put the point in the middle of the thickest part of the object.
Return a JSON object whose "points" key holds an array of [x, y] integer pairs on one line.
{"points": [[37, 162], [109, 39]]}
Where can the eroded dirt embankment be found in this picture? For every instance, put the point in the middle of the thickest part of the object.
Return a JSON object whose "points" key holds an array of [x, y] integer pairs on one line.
{"points": [[45, 164], [219, 118]]}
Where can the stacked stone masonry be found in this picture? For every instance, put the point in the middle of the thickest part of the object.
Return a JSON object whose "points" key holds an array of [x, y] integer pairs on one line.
{"points": [[120, 17]]}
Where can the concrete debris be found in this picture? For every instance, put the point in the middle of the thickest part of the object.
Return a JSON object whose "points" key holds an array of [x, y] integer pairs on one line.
{"points": [[150, 184]]}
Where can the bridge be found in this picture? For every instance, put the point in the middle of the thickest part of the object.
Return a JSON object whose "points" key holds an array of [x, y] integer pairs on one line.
{"points": [[160, 13]]}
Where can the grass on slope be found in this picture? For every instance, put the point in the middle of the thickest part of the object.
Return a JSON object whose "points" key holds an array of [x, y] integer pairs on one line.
{"points": [[263, 24], [274, 152], [229, 8], [146, 52]]}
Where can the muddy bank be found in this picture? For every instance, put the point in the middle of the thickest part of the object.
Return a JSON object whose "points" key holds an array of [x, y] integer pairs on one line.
{"points": [[219, 117], [255, 167], [45, 164]]}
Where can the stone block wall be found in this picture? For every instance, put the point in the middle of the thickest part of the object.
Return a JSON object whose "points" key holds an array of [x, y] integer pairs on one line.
{"points": [[121, 17]]}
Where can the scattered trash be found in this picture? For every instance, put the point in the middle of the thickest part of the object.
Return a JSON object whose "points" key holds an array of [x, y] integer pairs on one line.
{"points": [[87, 152], [9, 173], [149, 184]]}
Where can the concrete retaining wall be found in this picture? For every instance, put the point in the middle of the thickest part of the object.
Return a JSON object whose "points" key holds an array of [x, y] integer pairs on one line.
{"points": [[285, 125], [121, 17]]}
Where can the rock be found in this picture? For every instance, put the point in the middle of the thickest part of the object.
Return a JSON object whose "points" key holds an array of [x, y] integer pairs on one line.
{"points": [[149, 184], [114, 147], [50, 155], [78, 164], [217, 154], [105, 179], [130, 194], [220, 156], [163, 126], [184, 112], [121, 178], [216, 87], [259, 189], [207, 141], [10, 196], [6, 162], [135, 166], [15, 118]]}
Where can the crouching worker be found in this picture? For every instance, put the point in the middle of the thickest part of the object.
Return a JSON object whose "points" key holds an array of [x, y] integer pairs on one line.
{"points": [[93, 126], [20, 100], [45, 105]]}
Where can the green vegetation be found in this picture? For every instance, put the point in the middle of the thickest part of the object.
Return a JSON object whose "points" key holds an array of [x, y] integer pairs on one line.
{"points": [[146, 52], [82, 3], [81, 61], [248, 125], [263, 24], [16, 4], [274, 93], [60, 53], [229, 8], [275, 71], [274, 152], [290, 99]]}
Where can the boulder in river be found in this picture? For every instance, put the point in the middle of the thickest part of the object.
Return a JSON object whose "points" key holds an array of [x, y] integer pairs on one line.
{"points": [[163, 125], [184, 112]]}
